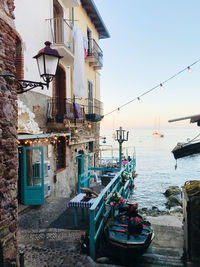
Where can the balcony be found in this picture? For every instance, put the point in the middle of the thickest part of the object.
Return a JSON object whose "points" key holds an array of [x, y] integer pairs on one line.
{"points": [[93, 110], [62, 112], [94, 54], [62, 39], [70, 3]]}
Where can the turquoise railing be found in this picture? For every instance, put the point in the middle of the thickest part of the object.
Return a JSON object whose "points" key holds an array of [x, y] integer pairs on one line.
{"points": [[98, 211]]}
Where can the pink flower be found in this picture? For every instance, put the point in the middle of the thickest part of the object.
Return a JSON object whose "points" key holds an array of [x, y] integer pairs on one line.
{"points": [[131, 218], [111, 204], [123, 219], [144, 226], [117, 204], [137, 219]]}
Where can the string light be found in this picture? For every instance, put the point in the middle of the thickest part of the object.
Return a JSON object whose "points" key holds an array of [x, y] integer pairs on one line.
{"points": [[161, 86], [75, 130], [42, 140], [188, 68], [89, 126]]}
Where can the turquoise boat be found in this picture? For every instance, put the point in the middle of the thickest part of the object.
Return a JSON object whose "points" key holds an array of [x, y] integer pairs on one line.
{"points": [[128, 233]]}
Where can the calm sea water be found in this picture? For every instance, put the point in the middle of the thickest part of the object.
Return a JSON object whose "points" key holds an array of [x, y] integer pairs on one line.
{"points": [[156, 164]]}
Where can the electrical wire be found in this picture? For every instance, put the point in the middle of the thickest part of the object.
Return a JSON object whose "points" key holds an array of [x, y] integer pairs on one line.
{"points": [[188, 68]]}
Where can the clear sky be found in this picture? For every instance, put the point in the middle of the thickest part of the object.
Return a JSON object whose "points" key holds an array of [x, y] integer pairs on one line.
{"points": [[150, 41]]}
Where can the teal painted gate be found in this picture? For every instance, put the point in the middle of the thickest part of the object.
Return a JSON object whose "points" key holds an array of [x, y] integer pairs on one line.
{"points": [[32, 176]]}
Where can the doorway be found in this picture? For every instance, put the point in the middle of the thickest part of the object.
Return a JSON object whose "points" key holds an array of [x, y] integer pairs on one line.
{"points": [[60, 93]]}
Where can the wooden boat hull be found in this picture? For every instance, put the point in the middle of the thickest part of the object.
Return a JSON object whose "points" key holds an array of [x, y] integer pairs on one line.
{"points": [[121, 241], [186, 150]]}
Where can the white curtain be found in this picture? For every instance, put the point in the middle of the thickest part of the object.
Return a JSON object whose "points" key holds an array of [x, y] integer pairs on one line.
{"points": [[78, 77]]}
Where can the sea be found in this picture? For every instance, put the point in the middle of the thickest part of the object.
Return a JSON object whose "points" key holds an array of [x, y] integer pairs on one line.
{"points": [[155, 164]]}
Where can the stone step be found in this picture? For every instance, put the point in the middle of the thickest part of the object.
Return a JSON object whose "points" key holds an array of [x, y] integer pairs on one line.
{"points": [[163, 258], [174, 252]]}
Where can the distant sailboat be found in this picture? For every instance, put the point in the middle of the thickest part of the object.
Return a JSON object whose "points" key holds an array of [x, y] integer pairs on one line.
{"points": [[157, 133]]}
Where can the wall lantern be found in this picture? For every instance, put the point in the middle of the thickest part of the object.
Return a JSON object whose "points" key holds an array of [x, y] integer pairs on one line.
{"points": [[47, 61]]}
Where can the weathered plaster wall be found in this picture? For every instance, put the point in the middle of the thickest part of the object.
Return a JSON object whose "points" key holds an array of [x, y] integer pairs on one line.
{"points": [[8, 145]]}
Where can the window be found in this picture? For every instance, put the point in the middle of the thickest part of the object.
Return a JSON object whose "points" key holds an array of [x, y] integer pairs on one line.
{"points": [[89, 36], [90, 97], [61, 153], [91, 147]]}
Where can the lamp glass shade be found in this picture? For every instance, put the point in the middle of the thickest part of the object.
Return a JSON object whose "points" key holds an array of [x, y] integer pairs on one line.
{"points": [[47, 65]]}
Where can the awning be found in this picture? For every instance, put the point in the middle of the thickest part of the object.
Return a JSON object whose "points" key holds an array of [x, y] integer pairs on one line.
{"points": [[40, 136]]}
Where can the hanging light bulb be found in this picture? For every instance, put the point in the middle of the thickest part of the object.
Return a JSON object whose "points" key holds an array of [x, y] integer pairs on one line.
{"points": [[75, 130], [161, 86], [89, 126], [189, 69]]}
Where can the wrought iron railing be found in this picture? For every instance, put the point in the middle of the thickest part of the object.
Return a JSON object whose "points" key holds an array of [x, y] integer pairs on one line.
{"points": [[95, 50], [93, 106], [61, 33], [59, 109]]}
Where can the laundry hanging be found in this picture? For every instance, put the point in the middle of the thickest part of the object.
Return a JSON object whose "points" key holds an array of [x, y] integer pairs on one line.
{"points": [[78, 75]]}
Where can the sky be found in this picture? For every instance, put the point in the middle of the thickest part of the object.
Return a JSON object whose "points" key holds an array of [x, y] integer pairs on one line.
{"points": [[151, 40]]}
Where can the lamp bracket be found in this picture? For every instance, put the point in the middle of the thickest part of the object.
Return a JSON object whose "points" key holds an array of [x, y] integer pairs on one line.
{"points": [[25, 85]]}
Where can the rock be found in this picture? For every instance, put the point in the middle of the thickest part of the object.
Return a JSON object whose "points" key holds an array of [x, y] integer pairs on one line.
{"points": [[103, 260], [173, 201], [172, 190], [155, 208], [176, 210]]}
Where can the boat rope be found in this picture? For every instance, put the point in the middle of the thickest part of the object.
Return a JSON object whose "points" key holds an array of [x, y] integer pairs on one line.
{"points": [[194, 139], [160, 85]]}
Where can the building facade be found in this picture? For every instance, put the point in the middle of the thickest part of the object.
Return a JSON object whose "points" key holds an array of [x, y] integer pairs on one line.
{"points": [[8, 136], [56, 125]]}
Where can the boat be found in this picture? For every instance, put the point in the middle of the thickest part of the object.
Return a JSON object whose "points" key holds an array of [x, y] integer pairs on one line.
{"points": [[128, 233], [157, 134], [186, 149]]}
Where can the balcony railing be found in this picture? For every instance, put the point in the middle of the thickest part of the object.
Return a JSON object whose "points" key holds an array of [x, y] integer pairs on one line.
{"points": [[61, 33], [60, 109], [95, 54], [93, 109]]}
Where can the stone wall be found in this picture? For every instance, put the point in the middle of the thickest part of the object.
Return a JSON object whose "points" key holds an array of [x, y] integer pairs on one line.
{"points": [[8, 144]]}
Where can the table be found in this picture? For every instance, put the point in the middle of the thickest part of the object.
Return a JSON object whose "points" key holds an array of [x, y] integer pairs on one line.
{"points": [[77, 202]]}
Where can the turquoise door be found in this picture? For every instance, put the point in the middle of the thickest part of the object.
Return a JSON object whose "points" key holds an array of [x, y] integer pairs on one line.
{"points": [[32, 176]]}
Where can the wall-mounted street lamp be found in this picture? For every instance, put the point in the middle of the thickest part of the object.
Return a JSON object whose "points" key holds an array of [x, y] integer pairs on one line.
{"points": [[47, 61], [121, 137]]}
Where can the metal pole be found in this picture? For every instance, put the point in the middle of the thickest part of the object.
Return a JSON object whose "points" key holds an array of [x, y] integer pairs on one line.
{"points": [[120, 156]]}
